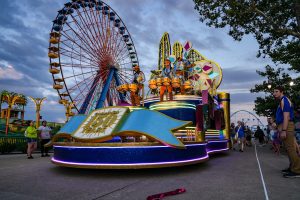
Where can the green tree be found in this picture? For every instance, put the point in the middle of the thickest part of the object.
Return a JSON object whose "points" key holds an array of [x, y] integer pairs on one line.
{"points": [[275, 24], [266, 106]]}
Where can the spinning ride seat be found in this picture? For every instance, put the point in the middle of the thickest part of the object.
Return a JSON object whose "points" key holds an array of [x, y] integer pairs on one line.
{"points": [[158, 81], [176, 83], [187, 85], [166, 81], [152, 84], [133, 87], [123, 88]]}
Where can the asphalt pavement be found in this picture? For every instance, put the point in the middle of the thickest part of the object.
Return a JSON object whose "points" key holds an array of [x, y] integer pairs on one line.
{"points": [[232, 175]]}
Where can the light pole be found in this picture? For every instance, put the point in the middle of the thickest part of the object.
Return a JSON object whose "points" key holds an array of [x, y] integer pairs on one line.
{"points": [[38, 103]]}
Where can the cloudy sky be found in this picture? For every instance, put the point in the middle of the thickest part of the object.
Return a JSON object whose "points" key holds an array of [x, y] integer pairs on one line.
{"points": [[24, 34]]}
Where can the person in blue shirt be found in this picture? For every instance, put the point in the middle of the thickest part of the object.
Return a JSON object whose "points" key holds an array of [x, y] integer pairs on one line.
{"points": [[240, 135], [286, 128]]}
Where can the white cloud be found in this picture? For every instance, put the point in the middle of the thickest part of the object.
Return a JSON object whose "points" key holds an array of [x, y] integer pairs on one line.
{"points": [[9, 72]]}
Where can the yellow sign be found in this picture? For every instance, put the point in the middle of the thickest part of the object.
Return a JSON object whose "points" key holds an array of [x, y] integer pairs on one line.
{"points": [[100, 123]]}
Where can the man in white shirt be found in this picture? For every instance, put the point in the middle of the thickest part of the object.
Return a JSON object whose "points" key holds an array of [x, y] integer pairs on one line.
{"points": [[44, 136]]}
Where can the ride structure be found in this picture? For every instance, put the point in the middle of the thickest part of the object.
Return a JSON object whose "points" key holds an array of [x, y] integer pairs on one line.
{"points": [[95, 69]]}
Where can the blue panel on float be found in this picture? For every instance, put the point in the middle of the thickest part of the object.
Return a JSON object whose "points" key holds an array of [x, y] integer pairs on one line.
{"points": [[153, 124], [72, 124], [145, 122], [186, 114], [128, 155]]}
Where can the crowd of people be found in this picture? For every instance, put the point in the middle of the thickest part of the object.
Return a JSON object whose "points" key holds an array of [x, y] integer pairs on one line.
{"points": [[33, 136]]}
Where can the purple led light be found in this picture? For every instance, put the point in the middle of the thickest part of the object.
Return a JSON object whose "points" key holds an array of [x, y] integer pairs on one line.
{"points": [[218, 150], [217, 141], [131, 164], [105, 147]]}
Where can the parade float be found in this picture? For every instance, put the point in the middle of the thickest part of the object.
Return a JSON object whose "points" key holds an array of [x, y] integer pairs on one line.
{"points": [[118, 119]]}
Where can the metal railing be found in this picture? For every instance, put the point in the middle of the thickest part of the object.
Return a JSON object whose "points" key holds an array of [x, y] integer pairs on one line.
{"points": [[12, 143]]}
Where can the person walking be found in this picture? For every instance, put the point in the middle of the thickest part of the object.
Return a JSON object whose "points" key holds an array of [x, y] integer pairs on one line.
{"points": [[286, 128], [232, 135], [248, 135], [44, 136], [261, 136], [240, 135], [31, 137]]}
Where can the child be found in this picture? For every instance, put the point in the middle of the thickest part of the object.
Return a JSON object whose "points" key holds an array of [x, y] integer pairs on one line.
{"points": [[275, 137]]}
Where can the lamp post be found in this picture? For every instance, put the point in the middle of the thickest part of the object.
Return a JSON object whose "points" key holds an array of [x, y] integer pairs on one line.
{"points": [[38, 103]]}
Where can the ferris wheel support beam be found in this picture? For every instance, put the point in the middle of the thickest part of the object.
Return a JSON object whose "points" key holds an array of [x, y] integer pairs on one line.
{"points": [[118, 82], [105, 89], [85, 104]]}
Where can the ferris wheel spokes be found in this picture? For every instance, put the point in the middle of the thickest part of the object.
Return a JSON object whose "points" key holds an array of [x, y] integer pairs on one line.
{"points": [[87, 39]]}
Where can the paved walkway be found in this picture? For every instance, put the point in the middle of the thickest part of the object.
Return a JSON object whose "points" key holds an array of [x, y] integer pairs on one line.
{"points": [[232, 175]]}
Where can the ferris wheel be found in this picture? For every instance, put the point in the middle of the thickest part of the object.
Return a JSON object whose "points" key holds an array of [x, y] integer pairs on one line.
{"points": [[91, 53]]}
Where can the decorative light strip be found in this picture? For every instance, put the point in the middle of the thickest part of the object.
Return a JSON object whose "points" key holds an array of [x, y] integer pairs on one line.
{"points": [[172, 105], [106, 147], [217, 141], [218, 150], [129, 164], [176, 98]]}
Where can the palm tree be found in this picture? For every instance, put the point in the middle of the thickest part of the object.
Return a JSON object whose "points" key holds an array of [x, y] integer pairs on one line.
{"points": [[11, 98], [2, 94]]}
